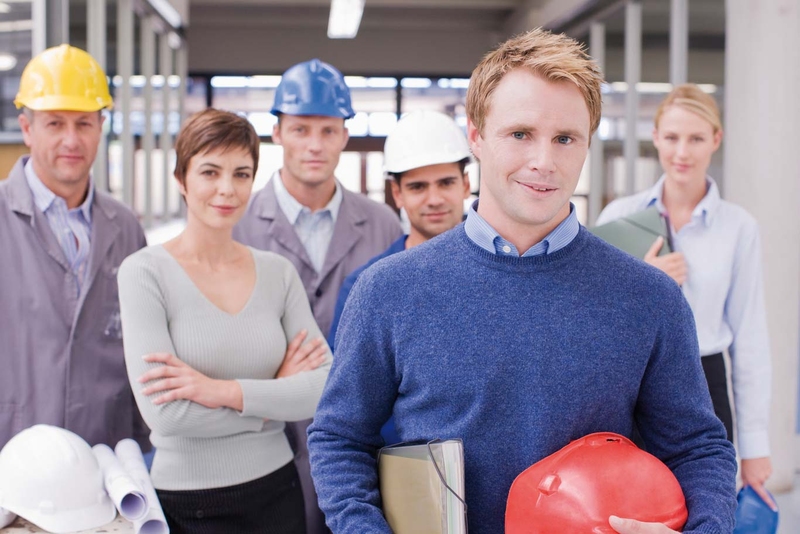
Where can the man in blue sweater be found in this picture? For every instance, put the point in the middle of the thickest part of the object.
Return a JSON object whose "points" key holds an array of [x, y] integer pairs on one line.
{"points": [[519, 331]]}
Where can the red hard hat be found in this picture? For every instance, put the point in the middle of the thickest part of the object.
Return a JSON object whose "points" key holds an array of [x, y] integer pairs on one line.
{"points": [[577, 488]]}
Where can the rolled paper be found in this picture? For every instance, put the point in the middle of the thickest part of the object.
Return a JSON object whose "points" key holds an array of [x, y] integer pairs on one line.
{"points": [[6, 517], [125, 493], [153, 521]]}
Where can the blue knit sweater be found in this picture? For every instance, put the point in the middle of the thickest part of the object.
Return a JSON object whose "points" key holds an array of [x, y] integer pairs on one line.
{"points": [[516, 356]]}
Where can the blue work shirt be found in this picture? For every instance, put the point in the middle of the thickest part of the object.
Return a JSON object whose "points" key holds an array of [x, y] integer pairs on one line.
{"points": [[349, 282], [486, 237]]}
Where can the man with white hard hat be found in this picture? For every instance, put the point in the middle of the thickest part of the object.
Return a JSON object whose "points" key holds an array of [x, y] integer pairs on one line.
{"points": [[425, 155], [63, 240], [307, 216]]}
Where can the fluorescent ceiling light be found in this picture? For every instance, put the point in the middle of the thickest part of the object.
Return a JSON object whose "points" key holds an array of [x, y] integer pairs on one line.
{"points": [[4, 8], [454, 83], [642, 87], [16, 26], [269, 82], [355, 81], [229, 82], [7, 62], [174, 40], [381, 82], [416, 83], [345, 18], [167, 12]]}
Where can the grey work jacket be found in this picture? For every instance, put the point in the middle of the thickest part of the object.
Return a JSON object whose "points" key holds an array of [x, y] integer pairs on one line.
{"points": [[363, 229], [61, 359]]}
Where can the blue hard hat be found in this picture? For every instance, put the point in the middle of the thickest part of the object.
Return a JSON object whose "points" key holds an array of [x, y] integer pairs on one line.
{"points": [[313, 88], [753, 515]]}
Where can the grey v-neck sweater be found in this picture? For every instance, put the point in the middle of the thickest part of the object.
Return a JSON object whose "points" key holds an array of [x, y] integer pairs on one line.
{"points": [[162, 310]]}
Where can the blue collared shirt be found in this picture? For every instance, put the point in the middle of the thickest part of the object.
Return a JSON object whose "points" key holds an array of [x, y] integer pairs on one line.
{"points": [[72, 227], [486, 237], [315, 229], [724, 287]]}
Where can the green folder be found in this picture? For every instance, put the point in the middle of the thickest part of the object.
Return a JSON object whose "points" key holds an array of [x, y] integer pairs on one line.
{"points": [[636, 233]]}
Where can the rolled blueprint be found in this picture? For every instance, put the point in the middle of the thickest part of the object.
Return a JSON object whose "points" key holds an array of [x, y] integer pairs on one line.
{"points": [[6, 517], [153, 521], [125, 493]]}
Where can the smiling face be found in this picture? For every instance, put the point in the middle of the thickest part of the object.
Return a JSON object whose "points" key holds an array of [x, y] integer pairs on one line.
{"points": [[63, 145], [685, 142], [217, 187], [533, 145], [433, 197], [311, 147]]}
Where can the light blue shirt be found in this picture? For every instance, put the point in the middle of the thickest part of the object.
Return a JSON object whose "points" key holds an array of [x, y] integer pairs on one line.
{"points": [[486, 237], [72, 227], [315, 229], [724, 286]]}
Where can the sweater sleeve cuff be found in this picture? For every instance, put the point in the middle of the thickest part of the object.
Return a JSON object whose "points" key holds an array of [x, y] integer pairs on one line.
{"points": [[286, 399], [753, 444], [251, 402]]}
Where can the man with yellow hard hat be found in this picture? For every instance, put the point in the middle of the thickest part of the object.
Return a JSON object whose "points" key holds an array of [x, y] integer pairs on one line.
{"points": [[62, 241]]}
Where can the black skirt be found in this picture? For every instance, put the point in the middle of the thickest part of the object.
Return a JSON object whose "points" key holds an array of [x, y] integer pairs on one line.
{"points": [[717, 378], [272, 504]]}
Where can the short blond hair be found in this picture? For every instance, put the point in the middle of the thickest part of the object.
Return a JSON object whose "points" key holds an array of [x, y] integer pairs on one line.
{"points": [[554, 57], [694, 99]]}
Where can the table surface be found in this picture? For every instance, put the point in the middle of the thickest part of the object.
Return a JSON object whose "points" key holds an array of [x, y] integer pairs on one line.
{"points": [[118, 526]]}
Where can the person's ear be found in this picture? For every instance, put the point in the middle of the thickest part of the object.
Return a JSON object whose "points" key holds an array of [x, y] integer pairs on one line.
{"points": [[398, 198], [25, 126], [717, 139], [474, 138], [276, 133]]}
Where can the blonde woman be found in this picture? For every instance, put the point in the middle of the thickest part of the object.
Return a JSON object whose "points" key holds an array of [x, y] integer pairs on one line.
{"points": [[717, 262], [207, 322]]}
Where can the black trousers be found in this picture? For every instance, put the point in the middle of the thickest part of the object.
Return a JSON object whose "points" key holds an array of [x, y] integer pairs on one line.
{"points": [[272, 504], [717, 380], [714, 368]]}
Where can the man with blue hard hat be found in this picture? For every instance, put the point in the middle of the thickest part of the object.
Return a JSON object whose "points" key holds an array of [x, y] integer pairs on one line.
{"points": [[307, 216]]}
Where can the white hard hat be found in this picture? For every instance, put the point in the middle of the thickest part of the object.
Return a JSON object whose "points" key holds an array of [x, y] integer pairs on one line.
{"points": [[423, 138], [50, 477]]}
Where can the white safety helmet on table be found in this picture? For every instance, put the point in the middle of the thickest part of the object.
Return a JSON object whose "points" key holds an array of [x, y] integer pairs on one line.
{"points": [[50, 477]]}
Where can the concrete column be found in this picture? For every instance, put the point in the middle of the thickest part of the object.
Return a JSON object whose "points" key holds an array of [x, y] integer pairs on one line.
{"points": [[597, 182], [182, 70], [125, 23], [165, 138], [147, 60], [39, 31], [56, 22], [762, 174], [679, 42], [96, 46], [633, 75]]}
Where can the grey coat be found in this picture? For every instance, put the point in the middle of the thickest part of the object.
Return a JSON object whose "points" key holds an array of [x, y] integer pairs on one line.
{"points": [[61, 359], [363, 229]]}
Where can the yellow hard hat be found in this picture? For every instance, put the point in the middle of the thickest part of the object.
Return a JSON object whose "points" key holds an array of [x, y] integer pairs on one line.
{"points": [[63, 78]]}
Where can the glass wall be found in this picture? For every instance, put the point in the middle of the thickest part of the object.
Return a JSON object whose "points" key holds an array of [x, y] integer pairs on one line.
{"points": [[16, 43]]}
